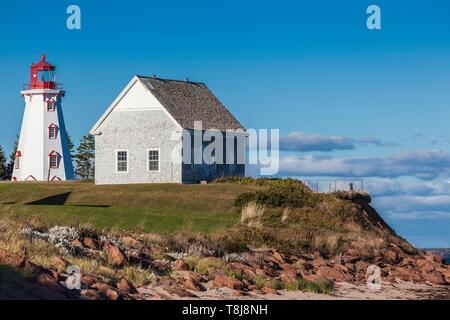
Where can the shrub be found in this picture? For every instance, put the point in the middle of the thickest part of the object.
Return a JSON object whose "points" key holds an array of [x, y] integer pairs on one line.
{"points": [[266, 182], [321, 286], [252, 214], [280, 197]]}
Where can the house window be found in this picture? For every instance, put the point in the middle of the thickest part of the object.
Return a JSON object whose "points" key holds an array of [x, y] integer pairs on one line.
{"points": [[52, 132], [122, 161], [17, 163], [51, 106], [53, 161], [153, 160]]}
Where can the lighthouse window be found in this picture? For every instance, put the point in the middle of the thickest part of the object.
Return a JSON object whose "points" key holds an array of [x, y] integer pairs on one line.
{"points": [[51, 105], [53, 161], [46, 76], [52, 132], [122, 161]]}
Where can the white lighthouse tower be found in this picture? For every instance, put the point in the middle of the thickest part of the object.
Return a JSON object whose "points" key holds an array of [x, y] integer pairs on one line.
{"points": [[43, 152]]}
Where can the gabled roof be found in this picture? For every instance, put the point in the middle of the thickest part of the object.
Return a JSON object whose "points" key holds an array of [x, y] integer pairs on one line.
{"points": [[190, 101], [184, 101]]}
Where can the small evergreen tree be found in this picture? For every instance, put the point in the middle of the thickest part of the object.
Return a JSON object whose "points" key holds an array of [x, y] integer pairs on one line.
{"points": [[71, 147], [3, 164], [85, 158], [12, 158]]}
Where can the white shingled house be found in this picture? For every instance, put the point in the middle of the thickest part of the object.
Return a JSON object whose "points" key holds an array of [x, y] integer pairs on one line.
{"points": [[157, 131]]}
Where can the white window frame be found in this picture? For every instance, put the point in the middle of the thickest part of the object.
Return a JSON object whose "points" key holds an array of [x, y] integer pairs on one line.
{"points": [[55, 132], [56, 157], [116, 160], [51, 103], [159, 159]]}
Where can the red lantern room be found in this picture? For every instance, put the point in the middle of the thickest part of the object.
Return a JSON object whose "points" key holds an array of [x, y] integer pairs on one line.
{"points": [[43, 75]]}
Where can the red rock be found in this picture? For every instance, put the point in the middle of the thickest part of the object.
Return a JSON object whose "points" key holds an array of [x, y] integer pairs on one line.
{"points": [[391, 256], [228, 282], [426, 265], [90, 243], [178, 292], [126, 286], [267, 290], [180, 265], [160, 266], [260, 272], [350, 266], [115, 255], [107, 290], [250, 272], [77, 243], [408, 262], [91, 294], [438, 259], [56, 275], [319, 262], [278, 258], [435, 278], [253, 287], [332, 274], [287, 267], [11, 259], [287, 276], [238, 266], [352, 259], [271, 261], [191, 284], [100, 286], [353, 252], [89, 280], [299, 263], [112, 294], [361, 266], [408, 275], [446, 274], [239, 294], [131, 242], [59, 264], [48, 281]]}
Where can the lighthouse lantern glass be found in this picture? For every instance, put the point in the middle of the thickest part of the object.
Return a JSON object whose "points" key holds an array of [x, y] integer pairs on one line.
{"points": [[46, 75]]}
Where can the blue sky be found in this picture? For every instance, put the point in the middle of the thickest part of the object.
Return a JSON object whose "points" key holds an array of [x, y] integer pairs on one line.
{"points": [[348, 101]]}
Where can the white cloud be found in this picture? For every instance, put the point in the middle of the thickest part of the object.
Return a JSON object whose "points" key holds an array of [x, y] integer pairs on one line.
{"points": [[424, 165], [304, 142], [417, 200]]}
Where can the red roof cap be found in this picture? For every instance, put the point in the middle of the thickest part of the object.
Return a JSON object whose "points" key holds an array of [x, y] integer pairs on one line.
{"points": [[43, 63]]}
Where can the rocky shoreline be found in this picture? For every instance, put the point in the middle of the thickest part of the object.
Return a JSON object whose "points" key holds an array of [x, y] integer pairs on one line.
{"points": [[259, 273]]}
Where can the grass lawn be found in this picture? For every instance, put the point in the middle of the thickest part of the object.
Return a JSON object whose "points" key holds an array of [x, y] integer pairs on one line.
{"points": [[152, 208]]}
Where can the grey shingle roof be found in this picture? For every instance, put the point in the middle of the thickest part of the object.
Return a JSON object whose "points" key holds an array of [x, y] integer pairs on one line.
{"points": [[191, 101]]}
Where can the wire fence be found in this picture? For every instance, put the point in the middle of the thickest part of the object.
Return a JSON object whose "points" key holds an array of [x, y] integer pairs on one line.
{"points": [[334, 185]]}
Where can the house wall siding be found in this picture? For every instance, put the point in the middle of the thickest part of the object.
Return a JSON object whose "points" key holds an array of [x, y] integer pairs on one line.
{"points": [[137, 131]]}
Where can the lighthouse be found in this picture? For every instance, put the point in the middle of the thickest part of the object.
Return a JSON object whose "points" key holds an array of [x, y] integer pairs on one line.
{"points": [[43, 152]]}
